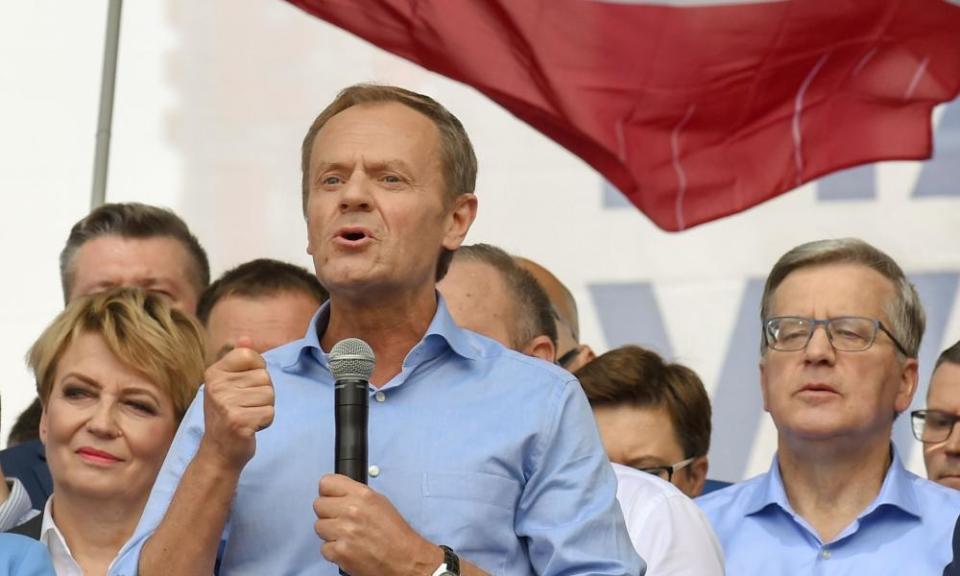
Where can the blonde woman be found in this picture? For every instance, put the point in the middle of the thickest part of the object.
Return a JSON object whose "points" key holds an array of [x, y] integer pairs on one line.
{"points": [[115, 373]]}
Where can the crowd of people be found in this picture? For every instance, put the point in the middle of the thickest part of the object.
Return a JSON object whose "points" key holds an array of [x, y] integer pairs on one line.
{"points": [[184, 426]]}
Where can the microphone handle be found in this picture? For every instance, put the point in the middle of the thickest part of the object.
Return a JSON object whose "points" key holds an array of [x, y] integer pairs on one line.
{"points": [[352, 399]]}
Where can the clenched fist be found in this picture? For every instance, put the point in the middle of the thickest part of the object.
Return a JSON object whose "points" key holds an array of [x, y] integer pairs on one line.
{"points": [[238, 401]]}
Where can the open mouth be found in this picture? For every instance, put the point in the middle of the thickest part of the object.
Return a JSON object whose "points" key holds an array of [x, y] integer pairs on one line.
{"points": [[353, 234]]}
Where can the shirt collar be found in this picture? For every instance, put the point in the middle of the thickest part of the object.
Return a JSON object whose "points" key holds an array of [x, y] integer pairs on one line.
{"points": [[52, 538], [442, 334], [896, 491]]}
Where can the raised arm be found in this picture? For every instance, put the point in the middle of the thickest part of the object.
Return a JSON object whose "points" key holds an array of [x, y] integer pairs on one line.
{"points": [[183, 522]]}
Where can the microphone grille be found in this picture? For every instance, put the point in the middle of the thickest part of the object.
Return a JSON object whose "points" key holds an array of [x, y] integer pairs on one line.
{"points": [[352, 359]]}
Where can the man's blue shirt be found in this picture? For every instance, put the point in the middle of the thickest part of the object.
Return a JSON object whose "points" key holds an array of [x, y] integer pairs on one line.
{"points": [[905, 530], [480, 448]]}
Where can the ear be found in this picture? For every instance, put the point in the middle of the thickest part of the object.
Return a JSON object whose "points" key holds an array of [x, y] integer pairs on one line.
{"points": [[541, 347], [459, 220], [907, 385], [698, 472], [43, 425], [763, 383]]}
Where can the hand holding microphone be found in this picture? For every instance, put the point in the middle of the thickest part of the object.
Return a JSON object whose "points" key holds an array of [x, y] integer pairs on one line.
{"points": [[363, 532]]}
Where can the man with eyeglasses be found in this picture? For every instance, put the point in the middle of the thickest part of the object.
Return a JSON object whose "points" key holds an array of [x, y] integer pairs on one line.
{"points": [[653, 415], [571, 354], [654, 421], [841, 327], [936, 426]]}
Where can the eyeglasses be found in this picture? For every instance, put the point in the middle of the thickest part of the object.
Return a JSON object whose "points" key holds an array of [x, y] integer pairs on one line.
{"points": [[845, 333], [932, 426], [667, 472], [568, 357]]}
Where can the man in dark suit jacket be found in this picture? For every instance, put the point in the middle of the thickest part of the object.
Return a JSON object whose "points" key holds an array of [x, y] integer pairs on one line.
{"points": [[127, 244], [27, 462], [953, 568]]}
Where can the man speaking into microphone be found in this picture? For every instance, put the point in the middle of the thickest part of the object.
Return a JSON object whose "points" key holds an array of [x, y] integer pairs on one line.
{"points": [[481, 460]]}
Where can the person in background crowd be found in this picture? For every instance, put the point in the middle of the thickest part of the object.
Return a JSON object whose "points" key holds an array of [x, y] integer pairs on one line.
{"points": [[115, 373], [15, 503], [20, 555], [953, 568], [841, 328], [652, 415], [120, 244], [27, 425], [936, 425], [388, 180], [485, 294], [266, 301], [571, 354]]}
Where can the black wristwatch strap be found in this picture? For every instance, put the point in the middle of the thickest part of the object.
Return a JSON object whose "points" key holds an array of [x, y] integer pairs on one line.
{"points": [[451, 559]]}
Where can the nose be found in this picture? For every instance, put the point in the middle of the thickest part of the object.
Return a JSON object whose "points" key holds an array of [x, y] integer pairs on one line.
{"points": [[952, 445], [819, 349], [103, 422], [355, 193]]}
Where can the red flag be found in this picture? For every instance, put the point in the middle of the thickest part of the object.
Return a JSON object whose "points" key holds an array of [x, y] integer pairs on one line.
{"points": [[693, 109]]}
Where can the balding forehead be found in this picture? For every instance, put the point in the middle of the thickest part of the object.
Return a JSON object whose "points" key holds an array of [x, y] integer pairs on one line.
{"points": [[560, 296]]}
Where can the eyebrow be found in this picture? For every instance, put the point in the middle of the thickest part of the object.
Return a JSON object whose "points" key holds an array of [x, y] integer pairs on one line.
{"points": [[647, 462], [139, 392], [125, 391], [86, 379], [371, 166]]}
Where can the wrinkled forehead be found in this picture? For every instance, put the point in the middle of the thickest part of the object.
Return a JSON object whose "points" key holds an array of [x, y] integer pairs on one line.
{"points": [[831, 290], [112, 260], [374, 130]]}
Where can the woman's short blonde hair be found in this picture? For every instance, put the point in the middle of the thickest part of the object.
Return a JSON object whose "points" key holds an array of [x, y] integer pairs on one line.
{"points": [[141, 329]]}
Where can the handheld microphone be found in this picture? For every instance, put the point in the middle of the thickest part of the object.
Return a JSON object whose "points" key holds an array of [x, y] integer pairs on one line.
{"points": [[351, 362]]}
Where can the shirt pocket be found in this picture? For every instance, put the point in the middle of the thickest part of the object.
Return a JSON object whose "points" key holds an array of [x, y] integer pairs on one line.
{"points": [[474, 513]]}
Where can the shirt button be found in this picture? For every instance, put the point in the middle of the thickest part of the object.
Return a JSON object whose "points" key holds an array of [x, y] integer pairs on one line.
{"points": [[825, 554], [373, 471], [380, 396]]}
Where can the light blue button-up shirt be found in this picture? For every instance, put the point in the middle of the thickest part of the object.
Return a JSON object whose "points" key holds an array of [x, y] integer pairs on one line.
{"points": [[906, 530], [23, 556], [488, 451]]}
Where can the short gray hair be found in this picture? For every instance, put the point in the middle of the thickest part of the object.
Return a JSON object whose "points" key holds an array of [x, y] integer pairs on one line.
{"points": [[133, 220], [906, 315]]}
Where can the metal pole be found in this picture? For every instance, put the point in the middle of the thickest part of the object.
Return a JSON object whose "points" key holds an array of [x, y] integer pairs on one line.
{"points": [[105, 119]]}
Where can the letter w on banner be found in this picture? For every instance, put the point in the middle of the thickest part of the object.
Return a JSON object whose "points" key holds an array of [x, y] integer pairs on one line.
{"points": [[693, 109]]}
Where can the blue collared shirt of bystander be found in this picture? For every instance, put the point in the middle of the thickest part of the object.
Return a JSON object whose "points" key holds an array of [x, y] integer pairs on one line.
{"points": [[480, 448], [905, 530]]}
